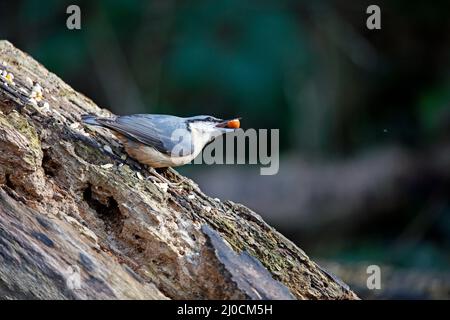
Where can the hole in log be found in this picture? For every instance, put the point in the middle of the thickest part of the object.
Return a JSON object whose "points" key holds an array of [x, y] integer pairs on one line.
{"points": [[9, 183], [108, 212], [138, 242], [50, 166], [7, 106]]}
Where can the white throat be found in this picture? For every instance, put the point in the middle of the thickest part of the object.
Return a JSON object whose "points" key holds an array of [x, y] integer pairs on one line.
{"points": [[202, 133]]}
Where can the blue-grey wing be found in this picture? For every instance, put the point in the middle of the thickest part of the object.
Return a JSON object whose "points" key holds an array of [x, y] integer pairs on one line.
{"points": [[167, 134]]}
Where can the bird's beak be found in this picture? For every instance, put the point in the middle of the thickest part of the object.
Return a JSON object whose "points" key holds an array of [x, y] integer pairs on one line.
{"points": [[230, 124]]}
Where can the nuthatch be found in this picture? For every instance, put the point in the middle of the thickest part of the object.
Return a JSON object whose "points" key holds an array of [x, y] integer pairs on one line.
{"points": [[162, 141]]}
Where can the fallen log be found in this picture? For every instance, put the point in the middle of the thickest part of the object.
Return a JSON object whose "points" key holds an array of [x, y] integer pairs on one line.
{"points": [[79, 220]]}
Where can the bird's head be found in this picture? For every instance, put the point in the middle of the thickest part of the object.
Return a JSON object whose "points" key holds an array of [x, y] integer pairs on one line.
{"points": [[211, 127]]}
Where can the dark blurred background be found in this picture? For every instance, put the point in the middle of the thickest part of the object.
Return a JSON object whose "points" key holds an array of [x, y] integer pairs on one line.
{"points": [[364, 115]]}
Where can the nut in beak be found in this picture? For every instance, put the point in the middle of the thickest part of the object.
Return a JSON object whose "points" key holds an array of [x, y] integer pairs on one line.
{"points": [[230, 124]]}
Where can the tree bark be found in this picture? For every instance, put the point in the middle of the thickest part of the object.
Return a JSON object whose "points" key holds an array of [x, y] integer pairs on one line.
{"points": [[72, 205]]}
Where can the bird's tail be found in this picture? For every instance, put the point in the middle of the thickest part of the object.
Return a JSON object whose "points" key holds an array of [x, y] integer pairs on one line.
{"points": [[90, 119]]}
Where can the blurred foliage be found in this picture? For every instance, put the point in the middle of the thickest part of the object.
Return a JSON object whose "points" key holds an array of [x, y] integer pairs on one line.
{"points": [[309, 68], [433, 109], [421, 256], [231, 59], [312, 69]]}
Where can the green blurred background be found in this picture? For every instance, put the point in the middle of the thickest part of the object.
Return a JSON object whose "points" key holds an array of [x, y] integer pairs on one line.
{"points": [[364, 115]]}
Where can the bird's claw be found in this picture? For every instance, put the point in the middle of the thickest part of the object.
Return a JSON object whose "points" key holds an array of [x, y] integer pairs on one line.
{"points": [[158, 178]]}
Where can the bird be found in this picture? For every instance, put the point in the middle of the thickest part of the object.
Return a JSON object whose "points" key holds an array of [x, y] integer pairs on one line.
{"points": [[162, 141]]}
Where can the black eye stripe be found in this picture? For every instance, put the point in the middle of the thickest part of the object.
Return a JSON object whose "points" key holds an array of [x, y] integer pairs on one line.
{"points": [[204, 118]]}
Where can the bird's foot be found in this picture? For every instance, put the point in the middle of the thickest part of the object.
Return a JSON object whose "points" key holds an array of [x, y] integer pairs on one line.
{"points": [[158, 178]]}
